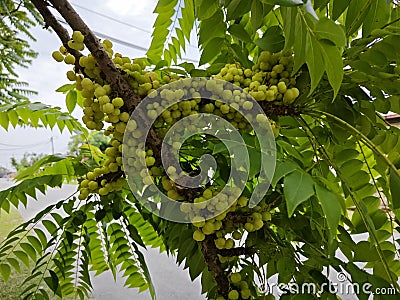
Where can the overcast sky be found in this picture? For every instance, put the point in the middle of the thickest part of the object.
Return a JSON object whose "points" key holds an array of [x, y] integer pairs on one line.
{"points": [[45, 75]]}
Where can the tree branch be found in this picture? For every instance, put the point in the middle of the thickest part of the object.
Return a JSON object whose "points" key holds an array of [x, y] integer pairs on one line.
{"points": [[106, 65], [210, 253], [51, 21], [272, 109], [238, 251]]}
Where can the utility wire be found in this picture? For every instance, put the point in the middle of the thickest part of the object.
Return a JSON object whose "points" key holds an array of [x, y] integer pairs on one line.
{"points": [[116, 20], [130, 45], [111, 18], [24, 146]]}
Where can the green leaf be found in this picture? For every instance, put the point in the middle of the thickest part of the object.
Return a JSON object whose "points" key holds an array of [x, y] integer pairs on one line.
{"points": [[52, 281], [213, 27], [5, 271], [71, 100], [314, 60], [237, 8], [272, 40], [29, 250], [238, 31], [356, 13], [298, 187], [65, 88], [378, 15], [13, 117], [207, 9], [134, 234], [257, 14], [394, 182], [4, 120], [241, 57], [339, 6], [14, 263], [211, 50], [333, 65], [329, 30], [286, 266], [283, 167], [22, 257], [394, 103], [330, 204]]}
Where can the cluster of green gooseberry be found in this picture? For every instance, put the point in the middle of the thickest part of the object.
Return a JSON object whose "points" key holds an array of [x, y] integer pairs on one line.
{"points": [[270, 79], [225, 231]]}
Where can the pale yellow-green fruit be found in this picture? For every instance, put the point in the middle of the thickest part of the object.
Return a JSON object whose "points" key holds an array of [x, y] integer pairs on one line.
{"points": [[247, 105], [148, 180], [86, 83], [171, 170], [78, 37], [103, 191], [57, 56], [290, 96], [249, 227], [198, 236], [198, 221], [108, 108], [242, 201], [150, 161], [208, 228], [173, 194], [118, 102], [71, 75], [69, 59], [63, 50], [233, 295], [92, 185], [258, 224], [236, 235], [235, 277], [124, 117], [266, 216], [120, 127], [261, 118], [220, 243], [207, 194], [90, 176], [245, 293]]}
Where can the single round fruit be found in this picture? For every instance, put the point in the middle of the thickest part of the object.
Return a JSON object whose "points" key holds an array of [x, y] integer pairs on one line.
{"points": [[77, 36], [236, 277], [118, 102], [233, 295], [198, 236], [247, 105], [69, 59], [57, 56]]}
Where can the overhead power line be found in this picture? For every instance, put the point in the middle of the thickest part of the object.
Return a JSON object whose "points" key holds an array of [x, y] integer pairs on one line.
{"points": [[111, 18], [116, 20], [127, 44], [24, 146]]}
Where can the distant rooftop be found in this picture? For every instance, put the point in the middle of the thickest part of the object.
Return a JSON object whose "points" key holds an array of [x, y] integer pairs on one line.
{"points": [[393, 118]]}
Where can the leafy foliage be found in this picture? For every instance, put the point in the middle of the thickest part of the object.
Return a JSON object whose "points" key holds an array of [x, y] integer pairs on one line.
{"points": [[337, 170], [16, 20]]}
